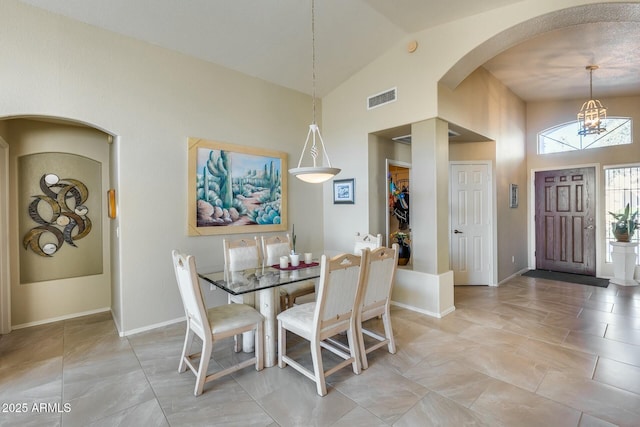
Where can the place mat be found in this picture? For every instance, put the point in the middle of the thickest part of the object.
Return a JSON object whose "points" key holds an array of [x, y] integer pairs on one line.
{"points": [[290, 267]]}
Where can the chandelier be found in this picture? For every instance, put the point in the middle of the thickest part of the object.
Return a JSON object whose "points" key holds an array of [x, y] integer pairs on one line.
{"points": [[316, 173], [592, 113]]}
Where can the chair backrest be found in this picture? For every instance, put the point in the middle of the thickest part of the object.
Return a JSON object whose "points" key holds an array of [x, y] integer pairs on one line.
{"points": [[366, 241], [339, 290], [273, 247], [241, 254], [192, 301], [381, 269]]}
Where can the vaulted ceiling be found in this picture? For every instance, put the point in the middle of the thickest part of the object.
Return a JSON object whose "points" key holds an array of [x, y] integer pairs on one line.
{"points": [[271, 40]]}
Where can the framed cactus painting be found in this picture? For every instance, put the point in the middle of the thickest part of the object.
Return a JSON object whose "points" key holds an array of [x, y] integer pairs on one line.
{"points": [[236, 189]]}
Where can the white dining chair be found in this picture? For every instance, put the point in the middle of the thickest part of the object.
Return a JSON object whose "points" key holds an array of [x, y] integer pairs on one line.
{"points": [[368, 241], [273, 247], [380, 268], [212, 325], [333, 312], [242, 254]]}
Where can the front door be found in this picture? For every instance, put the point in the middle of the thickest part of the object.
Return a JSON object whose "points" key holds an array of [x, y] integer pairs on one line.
{"points": [[471, 243], [565, 221]]}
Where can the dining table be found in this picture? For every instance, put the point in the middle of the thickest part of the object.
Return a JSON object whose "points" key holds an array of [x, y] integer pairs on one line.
{"points": [[264, 281]]}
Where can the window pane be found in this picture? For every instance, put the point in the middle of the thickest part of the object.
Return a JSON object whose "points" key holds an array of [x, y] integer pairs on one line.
{"points": [[565, 137], [622, 186]]}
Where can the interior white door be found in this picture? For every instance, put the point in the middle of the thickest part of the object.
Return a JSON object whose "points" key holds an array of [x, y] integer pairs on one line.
{"points": [[471, 230]]}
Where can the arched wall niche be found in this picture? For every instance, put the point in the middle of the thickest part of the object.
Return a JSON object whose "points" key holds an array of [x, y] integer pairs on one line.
{"points": [[102, 146]]}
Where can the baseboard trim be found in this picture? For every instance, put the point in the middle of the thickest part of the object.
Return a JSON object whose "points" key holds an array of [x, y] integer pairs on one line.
{"points": [[425, 312], [151, 327], [516, 274], [57, 319]]}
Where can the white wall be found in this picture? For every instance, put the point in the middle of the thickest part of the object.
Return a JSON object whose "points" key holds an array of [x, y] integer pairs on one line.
{"points": [[151, 100]]}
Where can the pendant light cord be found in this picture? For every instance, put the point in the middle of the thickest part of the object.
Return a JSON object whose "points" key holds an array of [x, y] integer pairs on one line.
{"points": [[313, 58]]}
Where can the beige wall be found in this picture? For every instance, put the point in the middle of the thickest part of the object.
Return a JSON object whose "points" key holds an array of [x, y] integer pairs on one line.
{"points": [[543, 115], [152, 100], [503, 120], [35, 302]]}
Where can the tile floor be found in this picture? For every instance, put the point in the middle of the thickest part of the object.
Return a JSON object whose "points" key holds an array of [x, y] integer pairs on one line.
{"points": [[529, 353]]}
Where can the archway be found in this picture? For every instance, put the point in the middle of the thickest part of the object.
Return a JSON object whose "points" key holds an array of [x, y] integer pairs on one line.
{"points": [[32, 134]]}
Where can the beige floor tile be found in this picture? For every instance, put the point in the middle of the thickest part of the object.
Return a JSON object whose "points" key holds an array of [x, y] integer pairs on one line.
{"points": [[616, 350], [508, 367], [592, 397], [590, 421], [386, 395], [551, 334], [611, 318], [435, 410], [479, 365], [517, 407], [558, 357], [493, 337], [617, 374], [453, 380], [576, 324], [623, 333]]}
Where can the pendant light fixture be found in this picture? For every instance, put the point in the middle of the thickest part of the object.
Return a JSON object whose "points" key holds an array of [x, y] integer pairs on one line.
{"points": [[316, 173], [592, 113]]}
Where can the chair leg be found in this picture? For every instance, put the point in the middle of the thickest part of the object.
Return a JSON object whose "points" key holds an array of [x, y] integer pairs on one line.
{"points": [[388, 331], [318, 368], [205, 356], [188, 340], [363, 349], [237, 343], [259, 346], [354, 349], [282, 345]]}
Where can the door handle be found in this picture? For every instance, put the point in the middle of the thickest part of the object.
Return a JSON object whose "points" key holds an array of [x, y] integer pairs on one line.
{"points": [[589, 227], [457, 232]]}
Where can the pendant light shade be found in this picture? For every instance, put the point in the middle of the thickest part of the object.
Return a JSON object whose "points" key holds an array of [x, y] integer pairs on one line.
{"points": [[316, 173], [592, 114]]}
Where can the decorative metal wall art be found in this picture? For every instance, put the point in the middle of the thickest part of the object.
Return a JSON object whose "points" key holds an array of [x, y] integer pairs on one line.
{"points": [[61, 213]]}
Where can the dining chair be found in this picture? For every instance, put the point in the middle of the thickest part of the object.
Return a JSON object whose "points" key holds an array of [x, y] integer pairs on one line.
{"points": [[242, 254], [333, 312], [212, 325], [273, 247], [380, 267], [366, 241]]}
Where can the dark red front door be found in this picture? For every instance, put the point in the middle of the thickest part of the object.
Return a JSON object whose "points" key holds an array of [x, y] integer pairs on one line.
{"points": [[565, 221]]}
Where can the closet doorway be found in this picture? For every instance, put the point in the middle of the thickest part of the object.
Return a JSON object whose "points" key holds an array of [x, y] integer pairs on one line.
{"points": [[398, 210]]}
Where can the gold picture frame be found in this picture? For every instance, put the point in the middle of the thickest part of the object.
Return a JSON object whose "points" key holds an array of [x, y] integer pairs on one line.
{"points": [[235, 189]]}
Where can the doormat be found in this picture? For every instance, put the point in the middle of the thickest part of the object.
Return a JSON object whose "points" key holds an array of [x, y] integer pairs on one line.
{"points": [[568, 277]]}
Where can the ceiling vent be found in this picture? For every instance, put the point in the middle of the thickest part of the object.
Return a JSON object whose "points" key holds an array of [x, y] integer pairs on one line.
{"points": [[382, 98]]}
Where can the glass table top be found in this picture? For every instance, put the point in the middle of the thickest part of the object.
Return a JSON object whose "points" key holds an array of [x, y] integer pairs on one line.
{"points": [[255, 279]]}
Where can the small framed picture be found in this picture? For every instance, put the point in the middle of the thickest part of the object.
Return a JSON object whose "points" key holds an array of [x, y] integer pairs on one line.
{"points": [[344, 191], [513, 195]]}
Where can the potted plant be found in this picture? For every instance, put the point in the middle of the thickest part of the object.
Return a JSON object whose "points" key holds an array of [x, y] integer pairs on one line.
{"points": [[404, 250], [625, 224]]}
